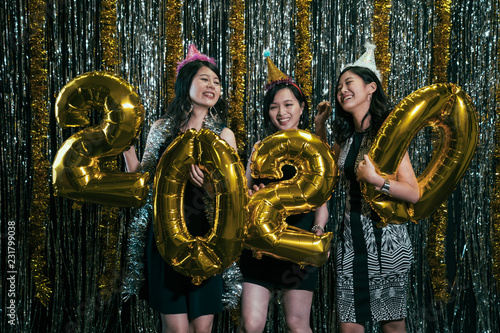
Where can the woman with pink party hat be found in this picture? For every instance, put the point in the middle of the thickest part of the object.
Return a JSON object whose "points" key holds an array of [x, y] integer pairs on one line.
{"points": [[285, 107], [183, 306], [372, 264]]}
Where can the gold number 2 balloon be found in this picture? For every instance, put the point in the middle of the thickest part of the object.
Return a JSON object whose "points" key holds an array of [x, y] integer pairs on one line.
{"points": [[449, 110], [76, 171], [312, 185], [200, 257]]}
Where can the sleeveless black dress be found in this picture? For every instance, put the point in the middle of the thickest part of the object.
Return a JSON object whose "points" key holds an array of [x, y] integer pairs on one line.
{"points": [[272, 273], [171, 292], [166, 290]]}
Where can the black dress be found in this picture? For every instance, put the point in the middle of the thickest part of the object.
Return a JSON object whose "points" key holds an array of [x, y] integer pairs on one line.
{"points": [[171, 292], [166, 290], [372, 263], [272, 273]]}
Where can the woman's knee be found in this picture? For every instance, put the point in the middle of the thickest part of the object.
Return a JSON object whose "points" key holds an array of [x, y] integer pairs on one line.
{"points": [[297, 305], [298, 323], [252, 322], [174, 323], [202, 324]]}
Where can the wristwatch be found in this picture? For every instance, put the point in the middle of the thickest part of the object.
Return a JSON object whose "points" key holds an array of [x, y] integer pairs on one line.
{"points": [[387, 185]]}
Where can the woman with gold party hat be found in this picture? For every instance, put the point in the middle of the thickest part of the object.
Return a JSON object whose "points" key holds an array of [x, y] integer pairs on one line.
{"points": [[285, 107], [372, 263]]}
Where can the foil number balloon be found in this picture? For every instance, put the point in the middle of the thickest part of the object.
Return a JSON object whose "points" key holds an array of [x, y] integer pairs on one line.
{"points": [[200, 257], [447, 109], [312, 185], [76, 173]]}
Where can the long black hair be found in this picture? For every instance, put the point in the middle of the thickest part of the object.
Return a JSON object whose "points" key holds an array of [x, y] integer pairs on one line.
{"points": [[180, 107], [269, 126], [379, 107]]}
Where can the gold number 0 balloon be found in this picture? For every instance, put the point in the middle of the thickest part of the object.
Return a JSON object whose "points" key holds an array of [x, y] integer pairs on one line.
{"points": [[449, 110], [311, 186], [200, 257], [76, 173]]}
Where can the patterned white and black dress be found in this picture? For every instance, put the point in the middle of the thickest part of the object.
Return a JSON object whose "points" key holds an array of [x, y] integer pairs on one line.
{"points": [[372, 263]]}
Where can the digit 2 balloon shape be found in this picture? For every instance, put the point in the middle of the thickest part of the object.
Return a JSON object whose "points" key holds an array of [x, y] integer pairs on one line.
{"points": [[76, 171], [312, 185]]}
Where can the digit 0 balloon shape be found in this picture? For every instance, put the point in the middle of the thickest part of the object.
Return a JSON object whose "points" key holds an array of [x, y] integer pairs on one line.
{"points": [[200, 257], [449, 110], [76, 171], [267, 231]]}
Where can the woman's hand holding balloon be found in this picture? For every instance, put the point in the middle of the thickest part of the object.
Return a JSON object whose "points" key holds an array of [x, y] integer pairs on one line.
{"points": [[255, 188], [367, 173], [196, 176]]}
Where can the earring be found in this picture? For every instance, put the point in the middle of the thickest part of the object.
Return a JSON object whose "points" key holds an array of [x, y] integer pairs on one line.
{"points": [[188, 112], [213, 112], [369, 97]]}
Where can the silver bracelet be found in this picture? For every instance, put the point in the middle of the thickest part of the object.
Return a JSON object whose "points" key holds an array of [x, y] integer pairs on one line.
{"points": [[387, 185], [317, 227]]}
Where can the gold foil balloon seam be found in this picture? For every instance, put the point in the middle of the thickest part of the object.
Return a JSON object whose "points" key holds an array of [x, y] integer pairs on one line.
{"points": [[76, 171]]}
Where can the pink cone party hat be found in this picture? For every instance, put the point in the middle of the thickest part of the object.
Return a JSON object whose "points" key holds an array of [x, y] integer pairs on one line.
{"points": [[194, 54]]}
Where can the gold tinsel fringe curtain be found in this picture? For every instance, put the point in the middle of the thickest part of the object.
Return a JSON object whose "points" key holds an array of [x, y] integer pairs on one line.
{"points": [[41, 166], [109, 226], [439, 220]]}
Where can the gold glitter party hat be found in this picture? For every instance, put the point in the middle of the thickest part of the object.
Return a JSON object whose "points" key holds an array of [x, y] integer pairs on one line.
{"points": [[273, 73], [275, 76]]}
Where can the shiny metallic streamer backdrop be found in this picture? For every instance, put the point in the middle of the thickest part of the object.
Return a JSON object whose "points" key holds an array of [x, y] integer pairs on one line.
{"points": [[338, 32]]}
